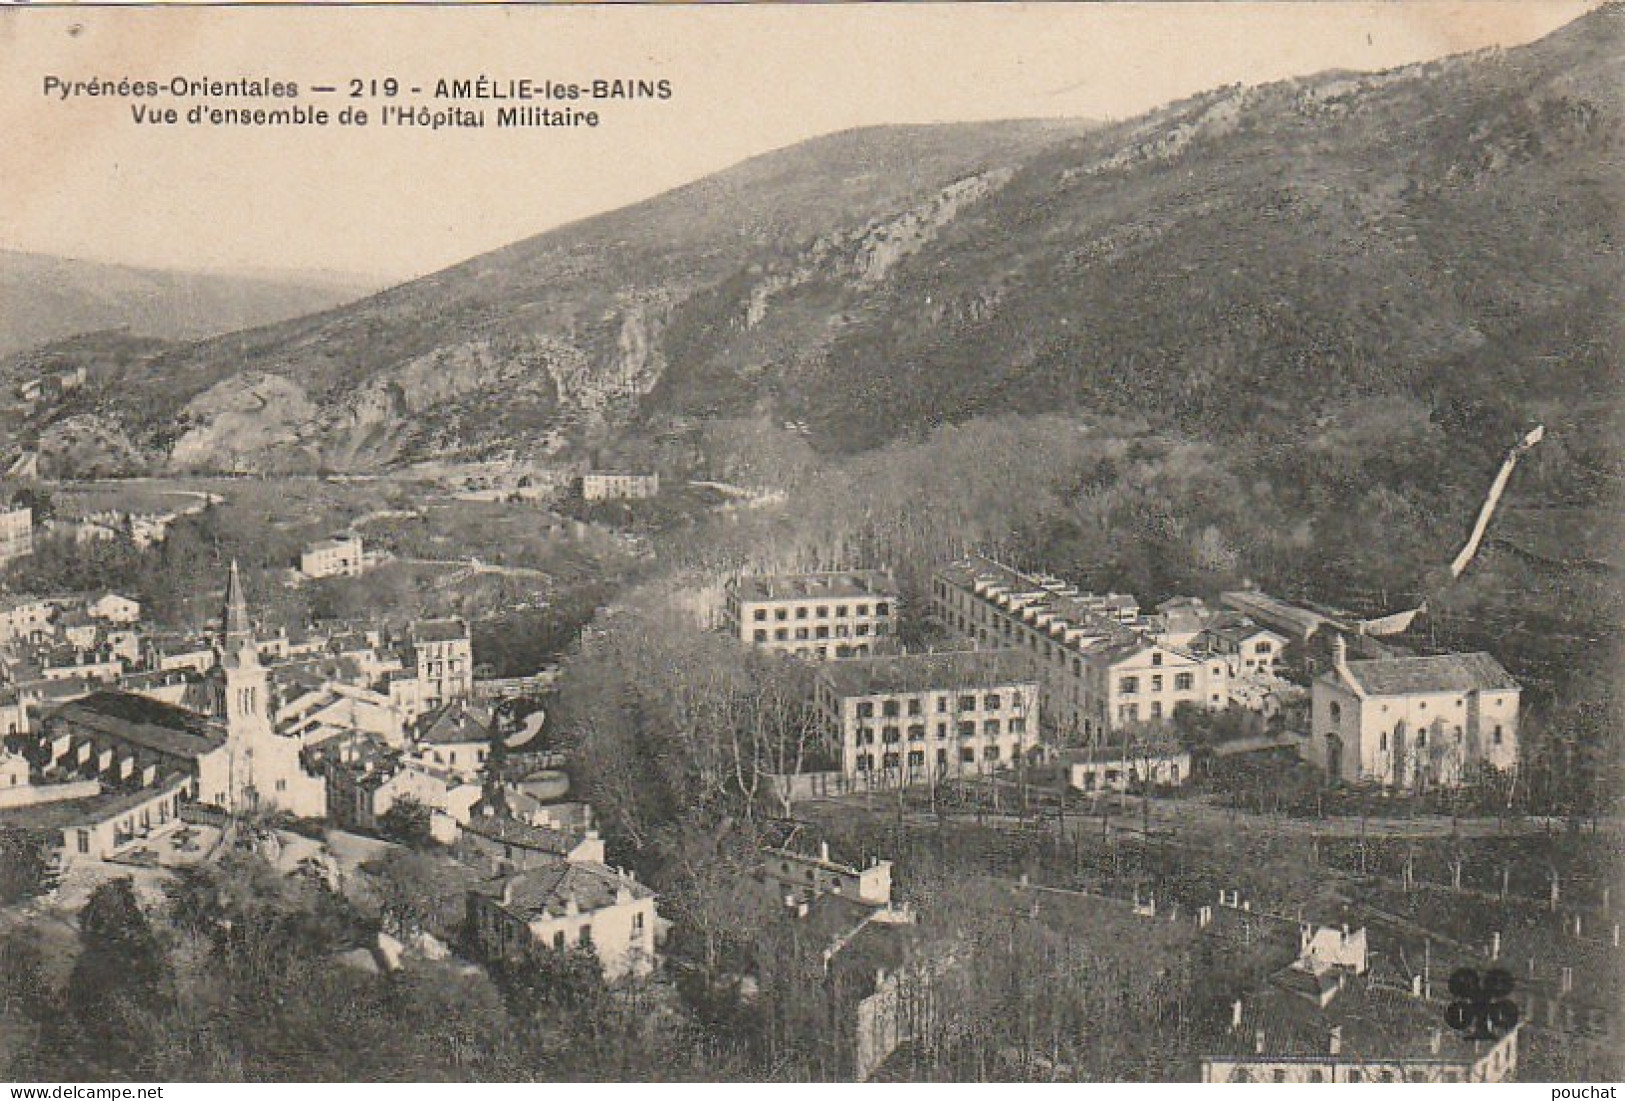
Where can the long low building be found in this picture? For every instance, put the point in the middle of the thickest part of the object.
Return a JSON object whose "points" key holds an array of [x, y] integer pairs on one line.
{"points": [[122, 738], [1116, 768], [1101, 665], [97, 827], [913, 718]]}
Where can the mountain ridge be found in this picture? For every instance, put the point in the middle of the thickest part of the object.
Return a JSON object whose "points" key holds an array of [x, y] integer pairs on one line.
{"points": [[50, 298], [1245, 260]]}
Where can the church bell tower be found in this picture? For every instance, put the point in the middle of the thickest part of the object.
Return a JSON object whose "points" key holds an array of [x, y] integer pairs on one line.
{"points": [[243, 702]]}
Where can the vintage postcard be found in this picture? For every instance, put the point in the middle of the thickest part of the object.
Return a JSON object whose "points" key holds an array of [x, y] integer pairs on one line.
{"points": [[919, 543]]}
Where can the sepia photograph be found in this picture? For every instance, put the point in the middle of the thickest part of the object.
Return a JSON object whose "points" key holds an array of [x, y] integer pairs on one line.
{"points": [[734, 543]]}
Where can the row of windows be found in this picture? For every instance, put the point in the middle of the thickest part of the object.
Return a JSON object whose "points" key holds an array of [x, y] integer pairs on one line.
{"points": [[843, 650], [822, 611], [916, 758], [991, 701], [802, 634], [1422, 738], [1130, 712], [1279, 1074], [584, 933], [1113, 777], [991, 728], [1183, 682]]}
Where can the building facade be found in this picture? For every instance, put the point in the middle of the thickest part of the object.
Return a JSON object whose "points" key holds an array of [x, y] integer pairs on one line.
{"points": [[919, 718], [98, 826], [338, 557], [850, 613], [609, 486], [1414, 722], [1114, 769], [16, 534], [805, 876], [266, 767], [1488, 1061], [1099, 663], [442, 653], [567, 904]]}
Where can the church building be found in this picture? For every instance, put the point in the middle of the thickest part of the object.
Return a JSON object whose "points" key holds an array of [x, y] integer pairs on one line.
{"points": [[231, 758]]}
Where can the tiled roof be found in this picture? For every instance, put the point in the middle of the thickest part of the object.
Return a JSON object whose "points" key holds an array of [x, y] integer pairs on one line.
{"points": [[1116, 754], [812, 586], [336, 543], [1301, 621], [547, 891], [456, 723], [144, 722], [1380, 1021], [1442, 673], [512, 831], [945, 671], [1238, 628], [69, 813]]}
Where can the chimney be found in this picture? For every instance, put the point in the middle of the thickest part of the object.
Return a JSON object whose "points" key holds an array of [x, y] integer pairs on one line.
{"points": [[1434, 1039], [1416, 986], [1235, 1014], [823, 851], [1258, 1042], [1340, 654], [1334, 1042]]}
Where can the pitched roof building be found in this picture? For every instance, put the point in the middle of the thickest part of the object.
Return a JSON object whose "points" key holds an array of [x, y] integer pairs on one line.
{"points": [[1413, 722], [567, 904], [1101, 666]]}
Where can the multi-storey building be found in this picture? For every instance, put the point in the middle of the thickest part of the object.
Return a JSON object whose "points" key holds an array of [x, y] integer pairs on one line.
{"points": [[1251, 650], [443, 655], [850, 613], [913, 718], [16, 534], [341, 556], [608, 486], [25, 618], [1413, 721], [1100, 666], [567, 904]]}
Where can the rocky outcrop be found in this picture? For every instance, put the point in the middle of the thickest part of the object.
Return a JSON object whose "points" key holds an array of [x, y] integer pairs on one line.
{"points": [[88, 446]]}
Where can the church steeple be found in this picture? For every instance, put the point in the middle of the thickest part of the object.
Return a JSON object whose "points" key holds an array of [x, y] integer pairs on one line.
{"points": [[236, 630]]}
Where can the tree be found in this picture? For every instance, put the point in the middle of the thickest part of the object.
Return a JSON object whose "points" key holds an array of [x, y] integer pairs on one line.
{"points": [[409, 886], [27, 1004], [119, 980], [37, 500], [23, 866], [407, 821]]}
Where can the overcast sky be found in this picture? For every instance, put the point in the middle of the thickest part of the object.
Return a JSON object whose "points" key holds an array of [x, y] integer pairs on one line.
{"points": [[81, 179]]}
